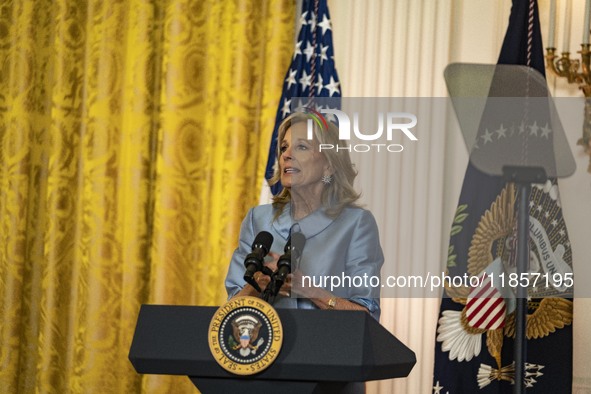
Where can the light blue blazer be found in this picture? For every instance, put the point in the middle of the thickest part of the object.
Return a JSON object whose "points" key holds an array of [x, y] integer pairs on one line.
{"points": [[341, 255]]}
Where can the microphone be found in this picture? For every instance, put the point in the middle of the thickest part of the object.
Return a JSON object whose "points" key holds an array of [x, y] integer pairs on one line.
{"points": [[293, 251], [254, 260]]}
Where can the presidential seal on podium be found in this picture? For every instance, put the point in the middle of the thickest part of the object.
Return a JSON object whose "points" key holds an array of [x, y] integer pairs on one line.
{"points": [[245, 335]]}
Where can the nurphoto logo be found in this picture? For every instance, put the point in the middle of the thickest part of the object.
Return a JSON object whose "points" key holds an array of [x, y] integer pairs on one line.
{"points": [[390, 122]]}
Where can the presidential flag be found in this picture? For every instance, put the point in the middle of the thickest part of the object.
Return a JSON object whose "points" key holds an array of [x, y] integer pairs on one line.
{"points": [[476, 326], [312, 72]]}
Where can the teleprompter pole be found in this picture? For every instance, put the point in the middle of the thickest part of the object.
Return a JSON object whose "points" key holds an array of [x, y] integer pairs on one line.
{"points": [[523, 177]]}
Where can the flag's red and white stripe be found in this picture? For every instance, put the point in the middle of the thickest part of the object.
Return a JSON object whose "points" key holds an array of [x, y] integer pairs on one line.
{"points": [[486, 307]]}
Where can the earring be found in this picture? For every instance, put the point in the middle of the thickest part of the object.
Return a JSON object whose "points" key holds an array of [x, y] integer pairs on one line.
{"points": [[327, 179]]}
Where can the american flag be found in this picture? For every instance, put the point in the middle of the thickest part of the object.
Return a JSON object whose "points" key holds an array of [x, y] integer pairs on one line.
{"points": [[312, 72]]}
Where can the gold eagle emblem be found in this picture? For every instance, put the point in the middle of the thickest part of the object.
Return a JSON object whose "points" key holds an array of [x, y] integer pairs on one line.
{"points": [[494, 237]]}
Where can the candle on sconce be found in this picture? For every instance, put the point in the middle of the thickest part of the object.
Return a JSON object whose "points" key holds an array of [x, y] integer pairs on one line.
{"points": [[567, 18], [587, 20], [552, 31], [575, 71]]}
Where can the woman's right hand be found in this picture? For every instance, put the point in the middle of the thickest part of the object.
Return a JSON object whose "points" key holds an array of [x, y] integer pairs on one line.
{"points": [[262, 279]]}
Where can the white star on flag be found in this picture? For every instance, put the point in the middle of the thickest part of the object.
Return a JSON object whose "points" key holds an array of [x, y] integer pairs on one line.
{"points": [[325, 24], [305, 80], [291, 78], [323, 56], [285, 109], [309, 51], [437, 388], [303, 18], [298, 49], [312, 21], [333, 86], [319, 85]]}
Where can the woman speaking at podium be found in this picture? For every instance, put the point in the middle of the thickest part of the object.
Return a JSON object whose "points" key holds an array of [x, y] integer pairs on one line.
{"points": [[342, 251]]}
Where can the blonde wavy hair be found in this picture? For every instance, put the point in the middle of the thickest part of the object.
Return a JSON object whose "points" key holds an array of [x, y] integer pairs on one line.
{"points": [[340, 193]]}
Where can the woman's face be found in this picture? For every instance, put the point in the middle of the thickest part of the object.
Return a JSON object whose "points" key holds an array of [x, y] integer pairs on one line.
{"points": [[300, 163]]}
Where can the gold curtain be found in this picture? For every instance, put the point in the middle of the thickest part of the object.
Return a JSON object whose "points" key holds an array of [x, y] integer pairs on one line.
{"points": [[133, 136]]}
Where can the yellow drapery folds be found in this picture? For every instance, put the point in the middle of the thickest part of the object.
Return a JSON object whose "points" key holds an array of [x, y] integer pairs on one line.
{"points": [[133, 136]]}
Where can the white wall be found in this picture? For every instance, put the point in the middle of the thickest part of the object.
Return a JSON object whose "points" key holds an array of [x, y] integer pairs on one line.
{"points": [[400, 48]]}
